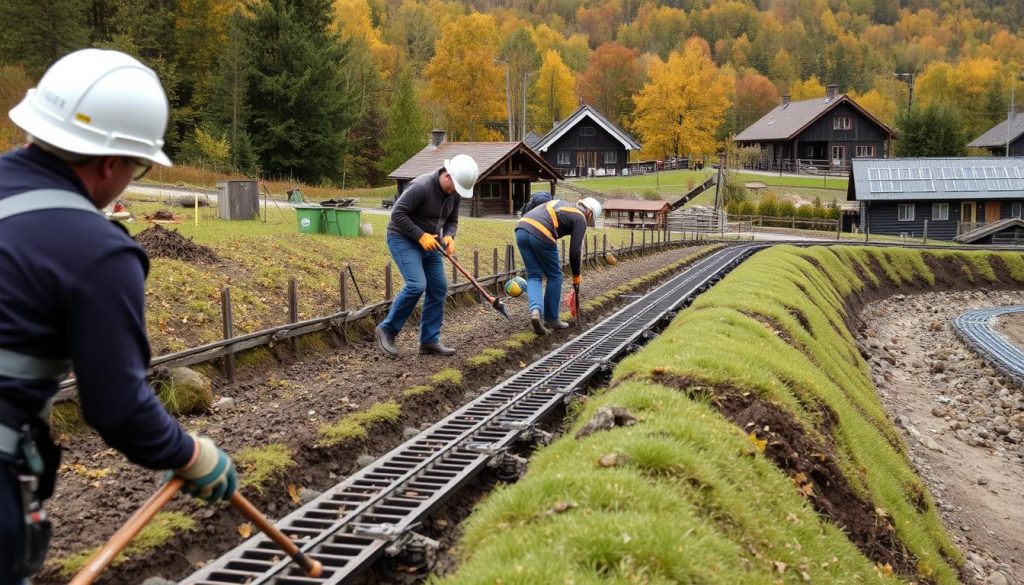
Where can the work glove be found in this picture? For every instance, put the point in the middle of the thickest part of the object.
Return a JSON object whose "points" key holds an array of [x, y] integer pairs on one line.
{"points": [[577, 279], [449, 245], [211, 474], [429, 242]]}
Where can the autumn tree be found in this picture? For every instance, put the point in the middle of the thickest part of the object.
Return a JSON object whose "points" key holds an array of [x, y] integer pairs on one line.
{"points": [[755, 96], [656, 29], [613, 76], [679, 111], [807, 89], [519, 56], [554, 96], [463, 81]]}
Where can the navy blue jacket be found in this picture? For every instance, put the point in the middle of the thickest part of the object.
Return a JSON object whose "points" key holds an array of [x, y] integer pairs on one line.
{"points": [[571, 222], [71, 285]]}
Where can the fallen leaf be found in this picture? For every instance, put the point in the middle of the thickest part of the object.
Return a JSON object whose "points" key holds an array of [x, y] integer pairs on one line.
{"points": [[761, 444], [245, 530], [293, 493]]}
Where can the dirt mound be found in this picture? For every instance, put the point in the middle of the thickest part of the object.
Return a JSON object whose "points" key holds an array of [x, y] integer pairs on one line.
{"points": [[159, 242]]}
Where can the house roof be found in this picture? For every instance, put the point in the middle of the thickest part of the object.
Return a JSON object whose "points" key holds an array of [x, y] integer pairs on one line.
{"points": [[585, 111], [635, 205], [990, 228], [788, 120], [488, 156], [901, 179], [997, 136]]}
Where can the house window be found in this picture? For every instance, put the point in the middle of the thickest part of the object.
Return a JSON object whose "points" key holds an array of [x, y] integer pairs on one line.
{"points": [[810, 151], [865, 151], [905, 212], [564, 157], [1015, 209], [940, 211], [490, 190], [842, 123], [609, 157]]}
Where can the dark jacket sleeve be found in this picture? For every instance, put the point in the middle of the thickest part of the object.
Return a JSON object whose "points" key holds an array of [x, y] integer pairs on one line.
{"points": [[408, 201], [107, 339], [451, 225], [579, 232]]}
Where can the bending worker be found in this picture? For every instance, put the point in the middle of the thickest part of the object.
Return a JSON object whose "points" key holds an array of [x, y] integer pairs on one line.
{"points": [[71, 292], [424, 218], [537, 236]]}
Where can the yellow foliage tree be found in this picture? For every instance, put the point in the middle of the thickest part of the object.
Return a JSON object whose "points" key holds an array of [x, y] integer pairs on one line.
{"points": [[807, 89], [878, 105], [464, 83], [553, 97], [679, 111]]}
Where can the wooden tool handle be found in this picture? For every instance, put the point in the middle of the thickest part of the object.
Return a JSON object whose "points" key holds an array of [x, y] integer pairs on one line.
{"points": [[127, 532], [311, 566]]}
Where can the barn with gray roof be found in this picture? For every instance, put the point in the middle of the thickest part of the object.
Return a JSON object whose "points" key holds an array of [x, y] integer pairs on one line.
{"points": [[1009, 131], [951, 198]]}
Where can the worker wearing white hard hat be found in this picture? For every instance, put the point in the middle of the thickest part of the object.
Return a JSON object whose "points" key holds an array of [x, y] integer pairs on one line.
{"points": [[424, 220], [72, 296], [537, 235]]}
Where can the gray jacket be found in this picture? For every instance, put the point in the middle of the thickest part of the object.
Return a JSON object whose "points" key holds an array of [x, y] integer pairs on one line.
{"points": [[424, 207]]}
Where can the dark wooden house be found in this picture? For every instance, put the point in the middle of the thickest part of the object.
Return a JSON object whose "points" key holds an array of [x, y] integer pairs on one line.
{"points": [[1009, 131], [816, 136], [507, 169], [586, 144], [950, 197]]}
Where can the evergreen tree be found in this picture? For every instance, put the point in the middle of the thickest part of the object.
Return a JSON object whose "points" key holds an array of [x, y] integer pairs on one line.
{"points": [[407, 130], [38, 33], [934, 130], [229, 112], [300, 102]]}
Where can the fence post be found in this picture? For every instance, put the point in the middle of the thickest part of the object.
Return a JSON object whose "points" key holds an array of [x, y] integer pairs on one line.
{"points": [[604, 246], [643, 241], [494, 265], [584, 260], [595, 250], [343, 290], [839, 228], [476, 264], [455, 274], [630, 241], [229, 330], [293, 310], [924, 238], [509, 260], [387, 282]]}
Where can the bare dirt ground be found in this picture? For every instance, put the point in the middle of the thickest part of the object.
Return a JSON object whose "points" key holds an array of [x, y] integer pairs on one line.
{"points": [[286, 403], [963, 421]]}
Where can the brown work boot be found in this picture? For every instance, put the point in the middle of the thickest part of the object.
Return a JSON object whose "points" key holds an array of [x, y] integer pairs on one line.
{"points": [[386, 341], [436, 349], [556, 325], [537, 322]]}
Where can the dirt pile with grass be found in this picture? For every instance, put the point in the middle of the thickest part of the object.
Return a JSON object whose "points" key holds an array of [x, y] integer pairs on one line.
{"points": [[761, 453], [160, 242]]}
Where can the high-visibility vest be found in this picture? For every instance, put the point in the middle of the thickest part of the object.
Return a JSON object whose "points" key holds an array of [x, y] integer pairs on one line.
{"points": [[552, 234]]}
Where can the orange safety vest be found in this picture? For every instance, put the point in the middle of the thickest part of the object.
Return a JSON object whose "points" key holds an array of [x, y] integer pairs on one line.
{"points": [[554, 220]]}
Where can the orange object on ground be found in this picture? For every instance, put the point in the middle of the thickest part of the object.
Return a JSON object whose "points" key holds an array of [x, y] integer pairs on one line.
{"points": [[570, 301]]}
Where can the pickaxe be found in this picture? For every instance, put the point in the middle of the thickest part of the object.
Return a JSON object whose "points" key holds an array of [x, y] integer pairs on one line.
{"points": [[494, 301]]}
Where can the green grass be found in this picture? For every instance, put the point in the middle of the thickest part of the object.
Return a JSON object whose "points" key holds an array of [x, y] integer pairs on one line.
{"points": [[417, 390], [258, 465], [688, 497], [487, 356], [447, 377], [355, 426], [153, 535]]}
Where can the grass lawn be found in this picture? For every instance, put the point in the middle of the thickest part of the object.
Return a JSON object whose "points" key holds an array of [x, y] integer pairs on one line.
{"points": [[673, 184]]}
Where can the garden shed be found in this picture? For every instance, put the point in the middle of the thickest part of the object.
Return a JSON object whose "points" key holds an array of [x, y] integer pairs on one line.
{"points": [[636, 214]]}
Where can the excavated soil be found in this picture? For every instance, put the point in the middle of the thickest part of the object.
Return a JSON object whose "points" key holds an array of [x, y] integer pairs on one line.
{"points": [[286, 403], [160, 242]]}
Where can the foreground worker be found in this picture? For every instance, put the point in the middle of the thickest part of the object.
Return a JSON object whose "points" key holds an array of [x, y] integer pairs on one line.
{"points": [[71, 292], [423, 220], [537, 236]]}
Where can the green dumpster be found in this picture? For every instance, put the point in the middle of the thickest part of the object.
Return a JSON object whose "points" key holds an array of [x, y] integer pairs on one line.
{"points": [[347, 221], [330, 226], [309, 218]]}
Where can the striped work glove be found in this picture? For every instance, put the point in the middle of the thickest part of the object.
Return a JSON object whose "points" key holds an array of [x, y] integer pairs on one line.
{"points": [[210, 475]]}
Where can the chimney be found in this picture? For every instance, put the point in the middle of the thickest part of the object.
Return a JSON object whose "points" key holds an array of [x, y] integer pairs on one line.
{"points": [[830, 92], [436, 137], [785, 100]]}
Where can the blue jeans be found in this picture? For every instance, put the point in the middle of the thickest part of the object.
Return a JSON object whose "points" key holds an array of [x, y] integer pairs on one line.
{"points": [[423, 272], [541, 259]]}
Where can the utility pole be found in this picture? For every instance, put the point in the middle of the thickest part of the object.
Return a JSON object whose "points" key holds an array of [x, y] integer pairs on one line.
{"points": [[1011, 112], [508, 97], [909, 78]]}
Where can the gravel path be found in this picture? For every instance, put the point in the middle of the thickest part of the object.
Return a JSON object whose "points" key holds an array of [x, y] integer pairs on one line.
{"points": [[963, 422]]}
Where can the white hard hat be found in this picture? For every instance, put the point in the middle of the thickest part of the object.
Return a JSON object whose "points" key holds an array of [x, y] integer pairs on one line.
{"points": [[98, 102], [594, 206], [464, 173]]}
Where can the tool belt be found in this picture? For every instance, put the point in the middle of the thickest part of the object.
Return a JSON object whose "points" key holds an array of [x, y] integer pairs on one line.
{"points": [[26, 446]]}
